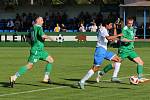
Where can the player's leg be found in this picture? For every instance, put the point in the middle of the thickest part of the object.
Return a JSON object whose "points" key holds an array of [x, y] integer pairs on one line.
{"points": [[140, 63], [33, 58], [98, 59], [116, 70], [117, 65], [48, 67], [20, 72], [103, 72], [88, 75], [109, 56]]}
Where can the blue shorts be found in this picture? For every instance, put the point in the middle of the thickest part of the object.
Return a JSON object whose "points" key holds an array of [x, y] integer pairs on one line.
{"points": [[101, 54]]}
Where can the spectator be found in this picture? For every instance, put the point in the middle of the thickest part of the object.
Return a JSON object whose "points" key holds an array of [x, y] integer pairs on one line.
{"points": [[148, 30], [63, 28], [93, 28], [10, 24], [17, 25], [119, 25], [23, 21], [82, 29], [57, 28]]}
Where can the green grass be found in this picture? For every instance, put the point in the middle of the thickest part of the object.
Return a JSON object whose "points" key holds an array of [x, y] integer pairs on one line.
{"points": [[70, 65]]}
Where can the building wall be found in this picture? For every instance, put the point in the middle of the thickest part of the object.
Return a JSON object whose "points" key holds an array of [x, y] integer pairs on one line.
{"points": [[138, 12]]}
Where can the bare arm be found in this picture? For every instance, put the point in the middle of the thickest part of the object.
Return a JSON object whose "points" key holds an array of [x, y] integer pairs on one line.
{"points": [[47, 37], [112, 38], [126, 40], [115, 37]]}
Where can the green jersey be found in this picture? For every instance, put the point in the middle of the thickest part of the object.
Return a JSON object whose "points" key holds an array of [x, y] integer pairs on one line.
{"points": [[37, 42], [129, 34]]}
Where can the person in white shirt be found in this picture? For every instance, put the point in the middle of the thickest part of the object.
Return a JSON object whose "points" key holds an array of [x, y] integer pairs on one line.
{"points": [[10, 24], [82, 28], [93, 28], [101, 52]]}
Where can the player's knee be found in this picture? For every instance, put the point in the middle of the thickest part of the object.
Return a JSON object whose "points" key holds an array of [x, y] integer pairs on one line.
{"points": [[116, 59], [141, 63], [29, 66], [50, 59], [95, 68]]}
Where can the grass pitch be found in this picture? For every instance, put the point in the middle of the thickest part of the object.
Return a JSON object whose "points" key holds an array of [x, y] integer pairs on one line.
{"points": [[70, 65]]}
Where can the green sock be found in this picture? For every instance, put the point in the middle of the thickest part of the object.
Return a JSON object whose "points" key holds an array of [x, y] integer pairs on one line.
{"points": [[21, 71], [48, 68], [107, 68], [139, 70]]}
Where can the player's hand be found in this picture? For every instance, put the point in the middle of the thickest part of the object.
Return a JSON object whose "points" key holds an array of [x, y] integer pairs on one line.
{"points": [[120, 34], [126, 40]]}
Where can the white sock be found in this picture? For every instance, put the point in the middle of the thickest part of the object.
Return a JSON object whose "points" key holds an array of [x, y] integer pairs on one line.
{"points": [[87, 76], [46, 76], [15, 77], [117, 68]]}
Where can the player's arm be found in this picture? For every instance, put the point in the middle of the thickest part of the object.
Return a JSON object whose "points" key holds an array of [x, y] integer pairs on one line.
{"points": [[43, 35], [105, 34], [47, 37], [112, 38], [124, 38], [115, 37]]}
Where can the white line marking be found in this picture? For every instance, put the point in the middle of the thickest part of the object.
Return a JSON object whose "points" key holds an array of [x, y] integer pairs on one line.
{"points": [[147, 67], [2, 95], [33, 91]]}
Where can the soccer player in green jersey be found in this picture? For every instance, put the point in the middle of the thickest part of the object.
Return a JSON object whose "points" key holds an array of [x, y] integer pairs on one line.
{"points": [[126, 50], [37, 52]]}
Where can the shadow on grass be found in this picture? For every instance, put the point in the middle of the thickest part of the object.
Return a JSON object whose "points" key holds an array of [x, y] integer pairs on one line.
{"points": [[75, 85], [94, 82], [90, 83], [77, 80], [7, 84], [71, 85]]}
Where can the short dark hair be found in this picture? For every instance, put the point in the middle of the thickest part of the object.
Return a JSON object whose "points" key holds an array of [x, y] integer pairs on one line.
{"points": [[106, 22], [130, 18]]}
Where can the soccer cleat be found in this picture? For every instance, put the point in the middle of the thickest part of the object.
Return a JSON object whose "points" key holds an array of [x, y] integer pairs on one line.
{"points": [[115, 80], [141, 80], [12, 81], [47, 80], [99, 75], [81, 85]]}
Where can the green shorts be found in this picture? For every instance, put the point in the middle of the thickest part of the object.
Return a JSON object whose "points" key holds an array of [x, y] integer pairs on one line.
{"points": [[130, 55], [36, 55]]}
